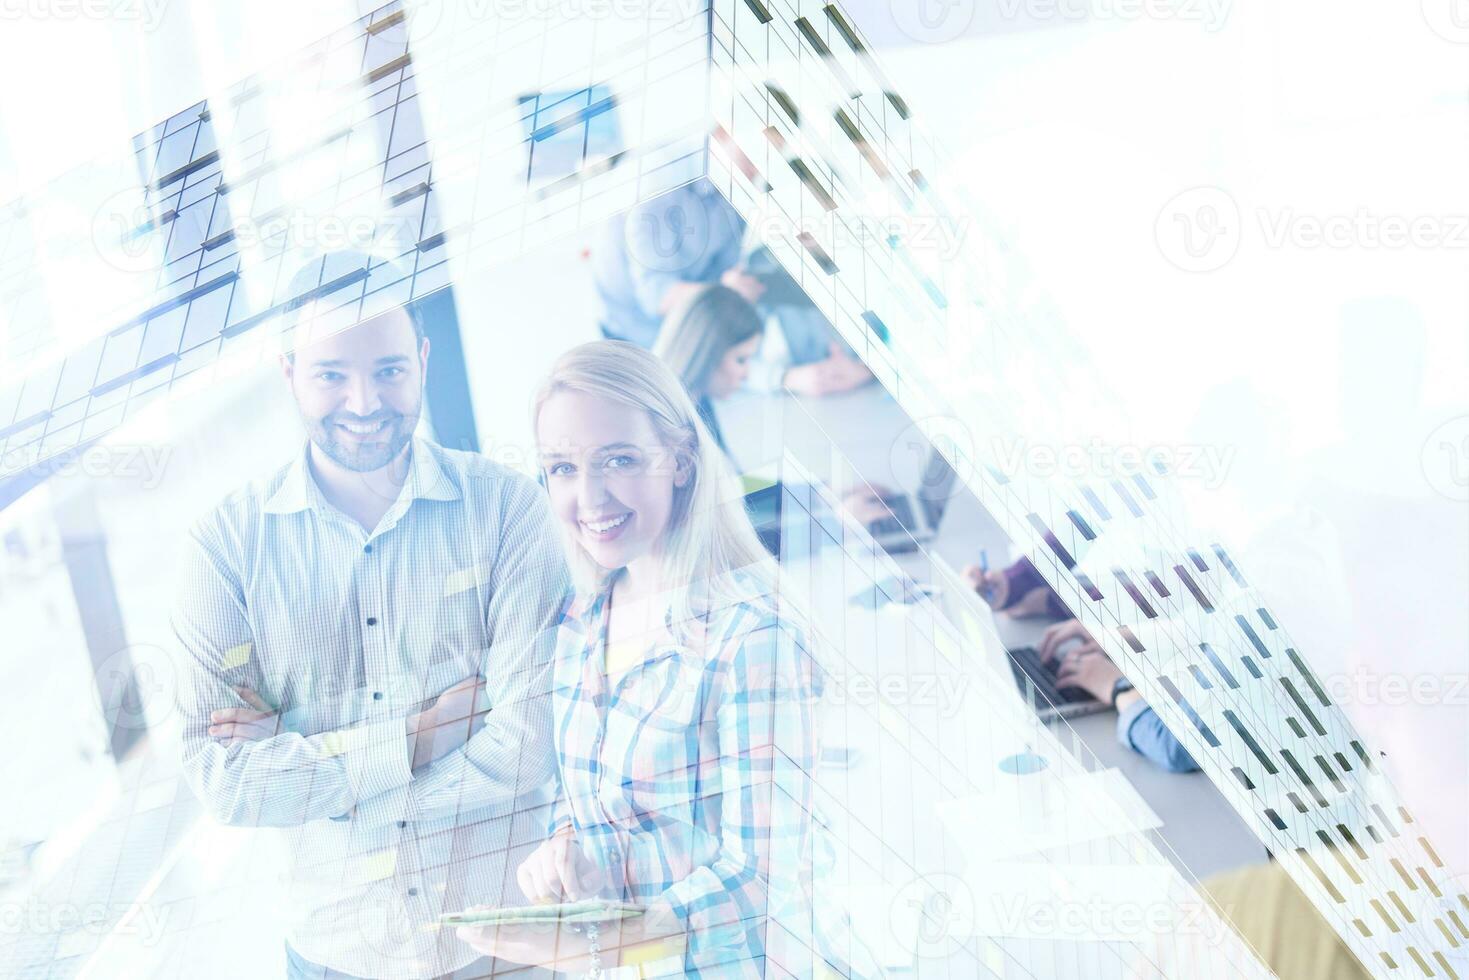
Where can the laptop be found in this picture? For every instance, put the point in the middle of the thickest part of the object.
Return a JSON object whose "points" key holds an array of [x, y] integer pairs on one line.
{"points": [[913, 519], [1035, 681]]}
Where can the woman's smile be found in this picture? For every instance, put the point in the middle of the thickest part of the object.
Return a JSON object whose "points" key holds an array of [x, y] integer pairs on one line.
{"points": [[606, 527]]}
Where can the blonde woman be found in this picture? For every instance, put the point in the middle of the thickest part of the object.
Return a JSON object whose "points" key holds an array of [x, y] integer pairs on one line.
{"points": [[683, 697], [708, 341]]}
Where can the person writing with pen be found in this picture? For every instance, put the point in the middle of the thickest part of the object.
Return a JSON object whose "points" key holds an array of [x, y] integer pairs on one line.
{"points": [[1020, 591]]}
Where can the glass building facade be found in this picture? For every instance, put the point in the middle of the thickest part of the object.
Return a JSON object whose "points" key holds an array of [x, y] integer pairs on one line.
{"points": [[446, 150]]}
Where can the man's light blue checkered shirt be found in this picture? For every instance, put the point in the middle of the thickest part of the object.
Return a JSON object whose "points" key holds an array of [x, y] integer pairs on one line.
{"points": [[348, 632]]}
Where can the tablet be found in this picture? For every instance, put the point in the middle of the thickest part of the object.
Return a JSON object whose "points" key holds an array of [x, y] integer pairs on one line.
{"points": [[569, 913]]}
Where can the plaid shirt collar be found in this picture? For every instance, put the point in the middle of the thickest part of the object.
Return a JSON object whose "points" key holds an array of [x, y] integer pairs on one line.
{"points": [[426, 481]]}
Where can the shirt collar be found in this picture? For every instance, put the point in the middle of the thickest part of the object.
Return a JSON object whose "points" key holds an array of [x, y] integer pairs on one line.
{"points": [[426, 481]]}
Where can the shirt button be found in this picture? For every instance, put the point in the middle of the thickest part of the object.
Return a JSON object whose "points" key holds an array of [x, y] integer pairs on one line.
{"points": [[377, 695], [371, 620], [367, 548], [402, 824], [412, 892]]}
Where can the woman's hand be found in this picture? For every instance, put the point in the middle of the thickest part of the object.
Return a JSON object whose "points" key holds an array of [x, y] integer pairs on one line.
{"points": [[556, 871]]}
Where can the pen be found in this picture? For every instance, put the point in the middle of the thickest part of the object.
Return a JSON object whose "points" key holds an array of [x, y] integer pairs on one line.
{"points": [[984, 568]]}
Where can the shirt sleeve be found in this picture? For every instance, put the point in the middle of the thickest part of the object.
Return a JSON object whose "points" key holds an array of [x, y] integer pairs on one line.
{"points": [[511, 756], [1140, 729], [560, 813], [668, 243], [766, 732], [646, 235], [771, 361], [283, 781]]}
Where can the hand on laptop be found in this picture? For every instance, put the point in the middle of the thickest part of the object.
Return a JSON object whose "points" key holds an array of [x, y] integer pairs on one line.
{"points": [[1089, 669], [1084, 665], [1059, 634]]}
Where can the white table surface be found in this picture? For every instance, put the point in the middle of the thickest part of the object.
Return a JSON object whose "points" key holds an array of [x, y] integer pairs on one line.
{"points": [[1205, 836]]}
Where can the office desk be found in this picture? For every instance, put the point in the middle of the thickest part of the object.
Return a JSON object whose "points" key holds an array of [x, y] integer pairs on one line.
{"points": [[1200, 830]]}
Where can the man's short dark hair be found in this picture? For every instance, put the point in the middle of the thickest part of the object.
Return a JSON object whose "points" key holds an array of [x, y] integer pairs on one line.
{"points": [[315, 279]]}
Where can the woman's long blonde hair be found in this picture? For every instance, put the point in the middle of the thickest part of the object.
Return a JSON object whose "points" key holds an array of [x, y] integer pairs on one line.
{"points": [[709, 536]]}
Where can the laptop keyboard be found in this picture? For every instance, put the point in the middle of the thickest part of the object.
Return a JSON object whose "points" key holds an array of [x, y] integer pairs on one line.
{"points": [[901, 520], [1027, 665]]}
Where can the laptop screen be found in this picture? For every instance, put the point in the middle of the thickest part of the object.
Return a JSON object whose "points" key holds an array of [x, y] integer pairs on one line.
{"points": [[935, 488]]}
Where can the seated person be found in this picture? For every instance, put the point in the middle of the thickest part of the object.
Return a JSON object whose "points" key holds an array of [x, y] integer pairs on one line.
{"points": [[1021, 591], [707, 341], [681, 697], [801, 352], [654, 256]]}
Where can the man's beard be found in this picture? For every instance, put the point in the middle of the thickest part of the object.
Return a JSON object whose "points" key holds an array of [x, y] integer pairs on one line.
{"points": [[366, 456]]}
